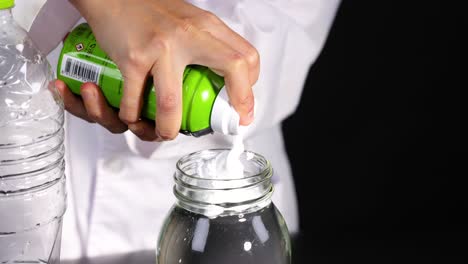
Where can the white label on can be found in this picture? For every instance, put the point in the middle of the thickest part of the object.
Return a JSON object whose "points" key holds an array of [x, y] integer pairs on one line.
{"points": [[80, 70]]}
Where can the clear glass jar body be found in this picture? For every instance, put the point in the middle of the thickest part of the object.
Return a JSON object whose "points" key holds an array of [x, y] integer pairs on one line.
{"points": [[227, 221], [32, 181]]}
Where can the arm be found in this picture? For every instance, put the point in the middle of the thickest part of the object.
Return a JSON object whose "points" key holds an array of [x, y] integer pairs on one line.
{"points": [[289, 37], [160, 38]]}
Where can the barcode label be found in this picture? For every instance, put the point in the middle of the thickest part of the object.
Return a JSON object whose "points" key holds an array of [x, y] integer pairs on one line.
{"points": [[80, 70]]}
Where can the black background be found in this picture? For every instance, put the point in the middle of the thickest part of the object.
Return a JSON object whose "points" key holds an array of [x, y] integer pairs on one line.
{"points": [[378, 144]]}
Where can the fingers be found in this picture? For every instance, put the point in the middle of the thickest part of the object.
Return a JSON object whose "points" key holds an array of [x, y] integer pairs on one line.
{"points": [[99, 111], [216, 27], [233, 66], [167, 78], [73, 103], [131, 103], [93, 108], [145, 130], [231, 38]]}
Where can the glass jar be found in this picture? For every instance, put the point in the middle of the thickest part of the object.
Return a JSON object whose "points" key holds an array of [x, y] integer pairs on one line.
{"points": [[224, 220]]}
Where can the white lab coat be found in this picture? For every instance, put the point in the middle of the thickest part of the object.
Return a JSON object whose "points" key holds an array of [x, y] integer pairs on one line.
{"points": [[120, 188]]}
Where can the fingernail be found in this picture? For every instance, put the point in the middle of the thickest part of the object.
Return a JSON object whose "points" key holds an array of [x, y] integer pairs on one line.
{"points": [[124, 118], [52, 85], [85, 93], [250, 115], [162, 136], [248, 118], [158, 136]]}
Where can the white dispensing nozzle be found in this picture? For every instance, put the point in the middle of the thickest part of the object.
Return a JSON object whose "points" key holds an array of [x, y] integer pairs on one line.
{"points": [[224, 118]]}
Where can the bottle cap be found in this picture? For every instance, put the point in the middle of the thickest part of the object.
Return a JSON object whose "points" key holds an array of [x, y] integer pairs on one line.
{"points": [[224, 118], [6, 4]]}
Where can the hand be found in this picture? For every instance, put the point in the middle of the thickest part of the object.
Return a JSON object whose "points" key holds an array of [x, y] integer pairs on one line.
{"points": [[92, 107], [160, 38]]}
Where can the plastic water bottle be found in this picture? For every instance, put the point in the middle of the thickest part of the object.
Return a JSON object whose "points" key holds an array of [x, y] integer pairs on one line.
{"points": [[32, 181]]}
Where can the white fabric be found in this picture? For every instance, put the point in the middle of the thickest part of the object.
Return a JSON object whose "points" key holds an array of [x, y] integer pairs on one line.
{"points": [[119, 187], [25, 12]]}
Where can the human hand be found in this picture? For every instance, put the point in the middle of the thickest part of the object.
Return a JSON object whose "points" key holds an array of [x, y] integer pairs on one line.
{"points": [[160, 38]]}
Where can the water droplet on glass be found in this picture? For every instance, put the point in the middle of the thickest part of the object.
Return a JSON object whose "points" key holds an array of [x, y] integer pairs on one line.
{"points": [[38, 58], [20, 47], [9, 102], [247, 246]]}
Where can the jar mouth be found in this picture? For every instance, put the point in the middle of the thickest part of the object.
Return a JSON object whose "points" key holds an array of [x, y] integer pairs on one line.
{"points": [[220, 194], [256, 168]]}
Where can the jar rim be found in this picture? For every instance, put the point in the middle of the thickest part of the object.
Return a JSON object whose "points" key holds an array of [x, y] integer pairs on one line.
{"points": [[263, 173], [221, 196]]}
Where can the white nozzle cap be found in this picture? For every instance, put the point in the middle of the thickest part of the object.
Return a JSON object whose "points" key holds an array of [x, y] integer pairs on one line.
{"points": [[224, 118]]}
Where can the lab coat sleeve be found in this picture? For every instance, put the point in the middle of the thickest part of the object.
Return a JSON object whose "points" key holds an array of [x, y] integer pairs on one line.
{"points": [[47, 21], [289, 36]]}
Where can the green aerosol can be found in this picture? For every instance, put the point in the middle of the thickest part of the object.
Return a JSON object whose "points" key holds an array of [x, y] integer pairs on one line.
{"points": [[206, 108]]}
